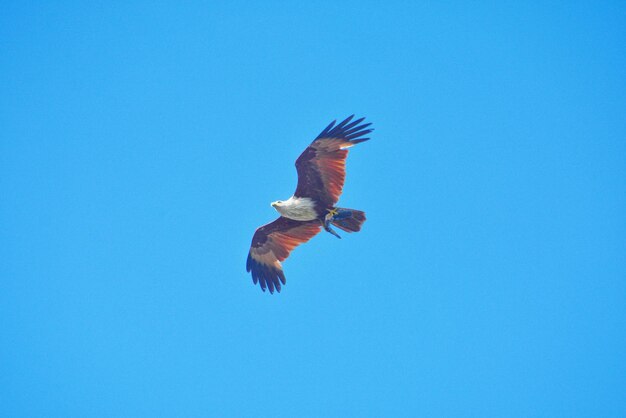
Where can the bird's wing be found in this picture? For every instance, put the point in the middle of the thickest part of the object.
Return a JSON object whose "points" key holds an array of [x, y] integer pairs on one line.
{"points": [[322, 166], [271, 244]]}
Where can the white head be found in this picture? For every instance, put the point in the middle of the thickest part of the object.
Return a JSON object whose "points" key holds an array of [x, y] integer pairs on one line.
{"points": [[278, 205], [297, 208]]}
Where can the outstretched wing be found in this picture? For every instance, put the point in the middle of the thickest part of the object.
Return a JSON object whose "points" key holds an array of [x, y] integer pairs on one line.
{"points": [[322, 166], [271, 244]]}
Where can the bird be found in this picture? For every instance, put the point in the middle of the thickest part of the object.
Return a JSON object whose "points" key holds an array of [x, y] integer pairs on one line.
{"points": [[321, 172]]}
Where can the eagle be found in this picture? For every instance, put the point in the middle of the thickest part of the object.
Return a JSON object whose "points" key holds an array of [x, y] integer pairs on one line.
{"points": [[321, 174]]}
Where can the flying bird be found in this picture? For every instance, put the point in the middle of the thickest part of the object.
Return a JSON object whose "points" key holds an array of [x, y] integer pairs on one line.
{"points": [[321, 174]]}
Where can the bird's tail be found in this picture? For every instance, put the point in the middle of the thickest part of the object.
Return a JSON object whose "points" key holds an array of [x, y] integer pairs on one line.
{"points": [[349, 220]]}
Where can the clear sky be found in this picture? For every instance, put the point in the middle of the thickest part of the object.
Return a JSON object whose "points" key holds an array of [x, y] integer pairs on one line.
{"points": [[141, 145]]}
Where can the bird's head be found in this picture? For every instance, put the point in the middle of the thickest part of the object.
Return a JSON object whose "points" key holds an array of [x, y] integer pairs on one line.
{"points": [[277, 204]]}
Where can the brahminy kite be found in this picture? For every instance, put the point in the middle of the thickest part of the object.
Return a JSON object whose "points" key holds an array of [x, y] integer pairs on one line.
{"points": [[321, 173]]}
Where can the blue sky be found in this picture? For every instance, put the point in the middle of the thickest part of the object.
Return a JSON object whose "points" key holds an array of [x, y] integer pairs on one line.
{"points": [[141, 145]]}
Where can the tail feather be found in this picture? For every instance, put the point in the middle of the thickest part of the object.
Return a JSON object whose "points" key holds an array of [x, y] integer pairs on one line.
{"points": [[351, 221]]}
